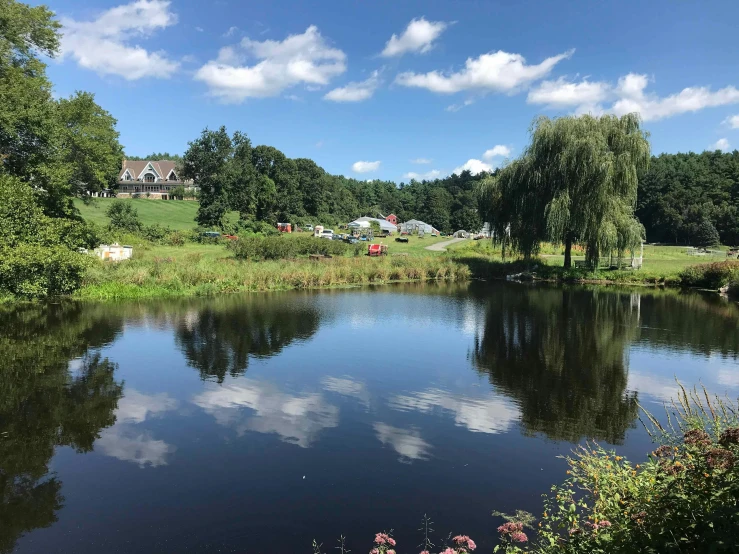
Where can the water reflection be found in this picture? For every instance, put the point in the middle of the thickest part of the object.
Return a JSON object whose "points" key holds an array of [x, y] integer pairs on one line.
{"points": [[248, 405], [561, 353], [406, 442], [219, 339]]}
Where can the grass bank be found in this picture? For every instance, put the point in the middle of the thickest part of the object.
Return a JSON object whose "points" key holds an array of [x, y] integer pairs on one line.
{"points": [[207, 271]]}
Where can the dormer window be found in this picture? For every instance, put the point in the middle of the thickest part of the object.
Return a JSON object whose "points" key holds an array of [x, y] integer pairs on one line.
{"points": [[149, 178], [172, 176], [127, 176]]}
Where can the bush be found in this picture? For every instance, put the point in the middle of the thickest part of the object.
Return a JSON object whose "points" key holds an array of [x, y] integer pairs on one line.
{"points": [[710, 276], [35, 271], [155, 233], [682, 499], [279, 247], [176, 238], [123, 216]]}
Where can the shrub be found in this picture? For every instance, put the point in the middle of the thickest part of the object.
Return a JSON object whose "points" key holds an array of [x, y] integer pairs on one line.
{"points": [[176, 238], [155, 233], [710, 276], [279, 247], [35, 271], [682, 499], [123, 216]]}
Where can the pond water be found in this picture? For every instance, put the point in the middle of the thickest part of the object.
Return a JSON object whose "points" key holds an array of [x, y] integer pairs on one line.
{"points": [[258, 423]]}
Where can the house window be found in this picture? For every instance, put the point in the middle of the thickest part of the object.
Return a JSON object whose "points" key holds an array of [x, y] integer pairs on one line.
{"points": [[127, 176], [149, 178]]}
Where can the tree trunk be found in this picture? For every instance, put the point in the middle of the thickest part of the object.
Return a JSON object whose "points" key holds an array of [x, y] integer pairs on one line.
{"points": [[568, 252]]}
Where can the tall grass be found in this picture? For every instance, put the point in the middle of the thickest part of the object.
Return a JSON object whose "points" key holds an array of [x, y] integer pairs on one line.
{"points": [[194, 275]]}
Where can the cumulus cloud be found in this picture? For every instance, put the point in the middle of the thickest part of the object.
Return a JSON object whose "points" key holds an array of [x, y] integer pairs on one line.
{"points": [[355, 91], [125, 441], [492, 72], [562, 93], [732, 121], [306, 59], [483, 415], [629, 95], [496, 151], [406, 442], [721, 144], [421, 161], [104, 44], [365, 167], [419, 37], [473, 166], [432, 174], [248, 405]]}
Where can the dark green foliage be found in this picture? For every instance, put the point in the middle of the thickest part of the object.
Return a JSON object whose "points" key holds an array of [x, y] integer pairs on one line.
{"points": [[35, 271], [706, 234], [710, 276], [123, 217], [680, 191], [279, 248]]}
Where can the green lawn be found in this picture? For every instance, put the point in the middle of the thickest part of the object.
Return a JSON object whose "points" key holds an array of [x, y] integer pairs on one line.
{"points": [[177, 214]]}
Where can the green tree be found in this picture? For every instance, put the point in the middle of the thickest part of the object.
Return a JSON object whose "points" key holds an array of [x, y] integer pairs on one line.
{"points": [[123, 216], [706, 234], [207, 163], [88, 143], [577, 180]]}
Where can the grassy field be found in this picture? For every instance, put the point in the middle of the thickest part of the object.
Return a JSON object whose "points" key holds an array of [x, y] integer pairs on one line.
{"points": [[177, 214]]}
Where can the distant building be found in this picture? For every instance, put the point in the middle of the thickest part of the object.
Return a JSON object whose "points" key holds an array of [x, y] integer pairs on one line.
{"points": [[392, 218], [414, 225], [151, 178], [364, 223]]}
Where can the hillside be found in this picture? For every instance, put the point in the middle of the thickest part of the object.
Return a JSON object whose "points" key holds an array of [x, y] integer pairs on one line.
{"points": [[177, 214]]}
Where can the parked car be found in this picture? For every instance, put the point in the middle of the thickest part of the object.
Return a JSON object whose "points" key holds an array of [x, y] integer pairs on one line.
{"points": [[308, 227], [327, 234], [212, 234], [351, 240], [339, 237]]}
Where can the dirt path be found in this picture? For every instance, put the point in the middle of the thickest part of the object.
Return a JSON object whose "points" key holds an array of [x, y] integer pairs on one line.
{"points": [[441, 246]]}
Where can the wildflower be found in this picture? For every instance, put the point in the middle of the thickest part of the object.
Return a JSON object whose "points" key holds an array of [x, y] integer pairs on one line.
{"points": [[718, 458], [706, 475], [574, 531], [425, 552], [662, 452], [448, 551], [391, 541], [390, 551], [374, 551], [605, 523], [730, 436], [518, 536], [697, 437], [471, 544], [619, 458]]}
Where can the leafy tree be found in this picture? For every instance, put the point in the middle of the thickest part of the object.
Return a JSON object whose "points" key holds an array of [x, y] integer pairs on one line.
{"points": [[178, 192], [577, 180], [706, 234], [206, 162], [88, 143], [123, 216]]}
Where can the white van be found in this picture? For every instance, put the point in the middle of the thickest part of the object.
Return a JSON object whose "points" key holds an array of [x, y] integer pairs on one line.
{"points": [[327, 234]]}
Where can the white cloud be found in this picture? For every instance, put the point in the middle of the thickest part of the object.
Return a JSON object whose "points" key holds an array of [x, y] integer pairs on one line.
{"points": [[473, 166], [294, 97], [495, 151], [365, 167], [125, 442], [231, 31], [561, 93], [419, 36], [631, 87], [485, 415], [732, 121], [295, 418], [629, 95], [406, 442], [104, 44], [661, 389], [422, 161], [721, 144], [199, 29], [355, 91], [299, 59], [496, 71], [432, 174], [456, 107]]}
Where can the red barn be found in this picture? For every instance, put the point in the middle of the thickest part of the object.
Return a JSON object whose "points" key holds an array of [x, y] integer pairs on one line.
{"points": [[392, 218]]}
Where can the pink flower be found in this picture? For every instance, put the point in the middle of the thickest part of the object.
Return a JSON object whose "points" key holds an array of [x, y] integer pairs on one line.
{"points": [[449, 551], [471, 544], [381, 538], [391, 541], [459, 539], [390, 552], [518, 536], [374, 551], [425, 552], [605, 523]]}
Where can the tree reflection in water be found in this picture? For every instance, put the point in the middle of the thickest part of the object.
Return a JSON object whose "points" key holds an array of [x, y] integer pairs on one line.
{"points": [[45, 403], [219, 338], [562, 354]]}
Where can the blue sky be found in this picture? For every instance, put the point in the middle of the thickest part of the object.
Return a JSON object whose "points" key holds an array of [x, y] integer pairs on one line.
{"points": [[423, 88]]}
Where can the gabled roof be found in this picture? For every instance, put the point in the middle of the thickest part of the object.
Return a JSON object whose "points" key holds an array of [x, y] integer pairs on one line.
{"points": [[137, 168]]}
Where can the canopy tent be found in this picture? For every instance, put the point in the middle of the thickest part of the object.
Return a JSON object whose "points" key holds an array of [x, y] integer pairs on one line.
{"points": [[364, 223]]}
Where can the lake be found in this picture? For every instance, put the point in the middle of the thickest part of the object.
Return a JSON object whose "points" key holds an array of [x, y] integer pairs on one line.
{"points": [[258, 423]]}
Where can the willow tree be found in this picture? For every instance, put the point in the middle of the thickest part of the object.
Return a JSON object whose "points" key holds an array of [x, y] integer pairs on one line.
{"points": [[576, 181]]}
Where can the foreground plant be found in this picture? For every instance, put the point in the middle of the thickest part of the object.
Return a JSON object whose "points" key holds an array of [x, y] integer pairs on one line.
{"points": [[684, 498]]}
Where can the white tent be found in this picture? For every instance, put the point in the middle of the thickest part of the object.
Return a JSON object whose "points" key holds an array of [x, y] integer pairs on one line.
{"points": [[364, 223]]}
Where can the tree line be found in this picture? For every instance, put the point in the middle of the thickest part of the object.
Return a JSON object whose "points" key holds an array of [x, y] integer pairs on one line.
{"points": [[262, 184]]}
